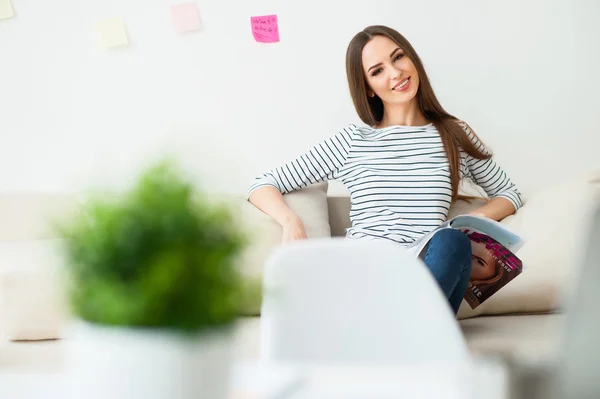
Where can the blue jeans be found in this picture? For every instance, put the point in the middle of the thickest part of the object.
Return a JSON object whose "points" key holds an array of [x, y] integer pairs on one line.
{"points": [[448, 257]]}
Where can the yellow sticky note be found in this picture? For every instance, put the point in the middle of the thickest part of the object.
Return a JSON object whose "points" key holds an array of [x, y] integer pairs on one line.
{"points": [[6, 9], [111, 32]]}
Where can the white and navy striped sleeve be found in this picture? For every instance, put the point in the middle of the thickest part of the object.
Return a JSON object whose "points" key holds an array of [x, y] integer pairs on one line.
{"points": [[487, 174], [322, 162]]}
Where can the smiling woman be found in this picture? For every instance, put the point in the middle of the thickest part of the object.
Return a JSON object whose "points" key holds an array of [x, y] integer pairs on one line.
{"points": [[378, 62], [401, 69], [403, 168]]}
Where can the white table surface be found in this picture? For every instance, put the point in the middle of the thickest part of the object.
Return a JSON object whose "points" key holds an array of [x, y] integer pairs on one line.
{"points": [[253, 380]]}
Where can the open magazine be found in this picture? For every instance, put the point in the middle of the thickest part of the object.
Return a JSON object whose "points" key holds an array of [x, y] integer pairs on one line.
{"points": [[494, 260]]}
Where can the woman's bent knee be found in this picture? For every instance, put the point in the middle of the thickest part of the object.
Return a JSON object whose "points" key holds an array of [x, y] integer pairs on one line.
{"points": [[455, 244], [452, 238]]}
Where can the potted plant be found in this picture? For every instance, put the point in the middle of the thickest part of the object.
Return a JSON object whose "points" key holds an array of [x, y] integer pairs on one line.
{"points": [[154, 285]]}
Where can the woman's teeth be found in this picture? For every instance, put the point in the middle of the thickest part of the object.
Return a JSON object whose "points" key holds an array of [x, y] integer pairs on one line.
{"points": [[402, 84]]}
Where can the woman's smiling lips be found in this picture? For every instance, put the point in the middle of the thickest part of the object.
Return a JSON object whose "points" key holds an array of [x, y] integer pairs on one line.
{"points": [[403, 85]]}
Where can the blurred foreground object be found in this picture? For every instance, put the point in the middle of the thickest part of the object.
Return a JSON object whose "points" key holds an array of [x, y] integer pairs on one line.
{"points": [[153, 279], [338, 301], [571, 373], [579, 357]]}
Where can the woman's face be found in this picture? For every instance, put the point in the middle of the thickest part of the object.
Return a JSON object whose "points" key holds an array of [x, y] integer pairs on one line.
{"points": [[390, 74], [483, 264]]}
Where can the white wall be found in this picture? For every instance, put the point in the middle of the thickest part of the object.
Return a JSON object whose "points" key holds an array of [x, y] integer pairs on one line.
{"points": [[522, 73]]}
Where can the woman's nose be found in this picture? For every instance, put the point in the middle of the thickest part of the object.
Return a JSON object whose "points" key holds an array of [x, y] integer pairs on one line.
{"points": [[395, 73]]}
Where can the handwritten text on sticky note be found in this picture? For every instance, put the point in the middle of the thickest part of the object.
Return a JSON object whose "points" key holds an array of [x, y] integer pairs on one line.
{"points": [[265, 28]]}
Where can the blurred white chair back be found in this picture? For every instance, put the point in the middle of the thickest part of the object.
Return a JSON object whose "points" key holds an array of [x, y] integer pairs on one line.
{"points": [[351, 301], [578, 357]]}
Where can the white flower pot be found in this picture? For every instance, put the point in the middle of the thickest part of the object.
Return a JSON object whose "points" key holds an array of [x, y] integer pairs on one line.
{"points": [[114, 362]]}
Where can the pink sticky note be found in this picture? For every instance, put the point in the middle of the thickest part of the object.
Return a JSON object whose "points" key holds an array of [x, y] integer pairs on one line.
{"points": [[185, 17], [265, 28]]}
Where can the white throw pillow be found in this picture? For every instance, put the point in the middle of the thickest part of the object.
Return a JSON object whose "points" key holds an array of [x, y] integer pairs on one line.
{"points": [[265, 234], [551, 222], [32, 303]]}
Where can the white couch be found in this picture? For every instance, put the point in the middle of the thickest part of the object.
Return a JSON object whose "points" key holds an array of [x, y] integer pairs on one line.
{"points": [[521, 318]]}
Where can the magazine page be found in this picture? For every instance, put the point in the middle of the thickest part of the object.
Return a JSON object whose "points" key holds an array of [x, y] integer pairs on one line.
{"points": [[492, 228], [493, 266]]}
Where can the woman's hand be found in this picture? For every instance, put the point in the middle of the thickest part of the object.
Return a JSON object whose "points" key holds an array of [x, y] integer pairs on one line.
{"points": [[293, 230], [497, 209], [477, 213]]}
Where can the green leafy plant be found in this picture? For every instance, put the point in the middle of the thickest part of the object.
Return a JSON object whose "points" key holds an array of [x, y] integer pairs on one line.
{"points": [[159, 256]]}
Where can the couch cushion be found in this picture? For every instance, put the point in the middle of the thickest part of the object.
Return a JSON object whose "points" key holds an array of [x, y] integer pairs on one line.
{"points": [[515, 337], [31, 215], [309, 203], [552, 223], [32, 303]]}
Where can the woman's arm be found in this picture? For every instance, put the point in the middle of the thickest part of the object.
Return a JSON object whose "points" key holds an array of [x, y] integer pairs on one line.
{"points": [[269, 200], [486, 173], [497, 208], [322, 162]]}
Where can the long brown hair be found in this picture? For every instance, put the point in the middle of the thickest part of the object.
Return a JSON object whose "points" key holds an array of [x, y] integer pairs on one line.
{"points": [[498, 274], [370, 109]]}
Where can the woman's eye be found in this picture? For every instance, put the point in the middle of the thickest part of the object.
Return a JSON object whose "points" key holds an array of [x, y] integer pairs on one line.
{"points": [[377, 72], [397, 57], [479, 261]]}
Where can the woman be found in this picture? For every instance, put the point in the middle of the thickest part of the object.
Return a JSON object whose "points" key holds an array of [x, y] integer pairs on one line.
{"points": [[403, 169]]}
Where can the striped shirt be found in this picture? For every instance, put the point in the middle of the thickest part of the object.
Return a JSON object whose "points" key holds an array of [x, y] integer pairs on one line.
{"points": [[398, 178]]}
